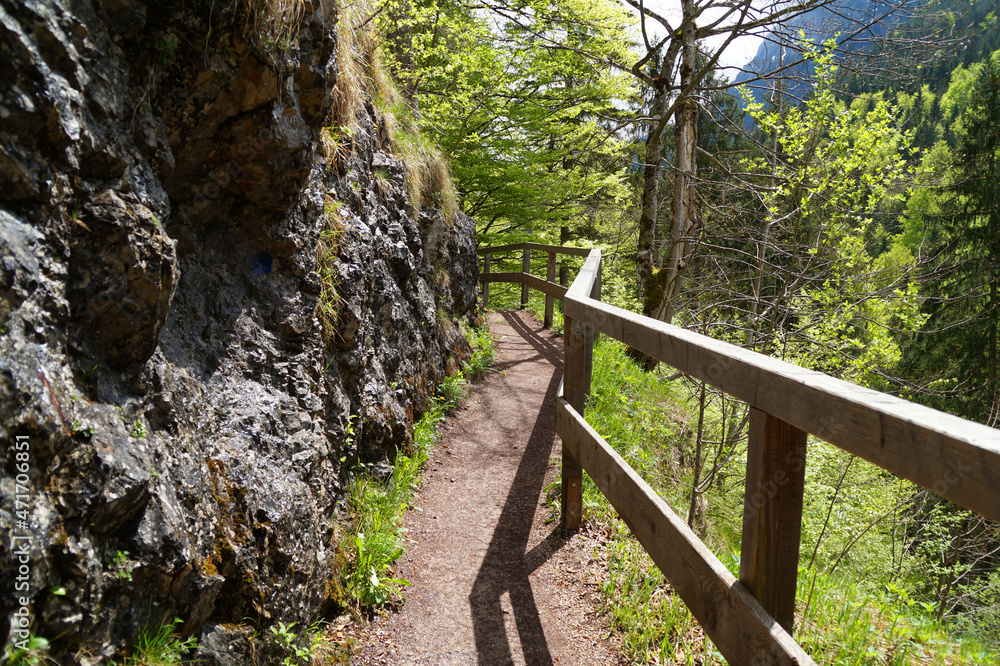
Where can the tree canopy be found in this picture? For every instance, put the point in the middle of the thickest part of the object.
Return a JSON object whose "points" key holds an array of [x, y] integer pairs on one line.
{"points": [[530, 130]]}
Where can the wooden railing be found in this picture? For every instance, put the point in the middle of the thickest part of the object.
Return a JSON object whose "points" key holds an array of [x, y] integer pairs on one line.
{"points": [[525, 278], [750, 620]]}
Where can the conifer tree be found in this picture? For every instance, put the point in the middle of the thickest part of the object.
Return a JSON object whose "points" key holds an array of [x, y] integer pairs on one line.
{"points": [[977, 230], [954, 358]]}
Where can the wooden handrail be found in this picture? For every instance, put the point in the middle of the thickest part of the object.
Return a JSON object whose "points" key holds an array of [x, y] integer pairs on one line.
{"points": [[551, 289], [558, 249], [948, 455], [750, 620], [537, 283]]}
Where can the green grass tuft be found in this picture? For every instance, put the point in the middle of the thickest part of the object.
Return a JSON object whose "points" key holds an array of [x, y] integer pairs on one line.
{"points": [[483, 351], [161, 646], [377, 505]]}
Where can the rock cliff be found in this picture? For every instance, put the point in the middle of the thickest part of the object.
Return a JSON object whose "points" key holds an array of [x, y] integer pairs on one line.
{"points": [[178, 422]]}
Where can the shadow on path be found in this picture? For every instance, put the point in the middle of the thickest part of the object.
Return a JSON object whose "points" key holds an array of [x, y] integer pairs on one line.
{"points": [[547, 350], [507, 563]]}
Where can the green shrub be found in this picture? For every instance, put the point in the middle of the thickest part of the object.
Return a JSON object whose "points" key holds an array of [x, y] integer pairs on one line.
{"points": [[483, 350], [452, 390], [304, 649]]}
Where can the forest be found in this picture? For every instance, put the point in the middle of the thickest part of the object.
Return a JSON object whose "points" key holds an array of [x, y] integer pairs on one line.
{"points": [[834, 205], [239, 299]]}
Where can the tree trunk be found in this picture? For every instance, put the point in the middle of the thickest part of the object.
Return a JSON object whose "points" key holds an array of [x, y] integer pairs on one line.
{"points": [[693, 509], [682, 232], [650, 191]]}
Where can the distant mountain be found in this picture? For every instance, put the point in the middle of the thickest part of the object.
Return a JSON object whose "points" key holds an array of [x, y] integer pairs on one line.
{"points": [[856, 24], [971, 28]]}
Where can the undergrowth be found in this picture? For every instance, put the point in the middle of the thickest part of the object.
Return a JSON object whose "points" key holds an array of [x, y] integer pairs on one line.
{"points": [[377, 505], [315, 645], [154, 646], [483, 350], [847, 612], [33, 651], [161, 646]]}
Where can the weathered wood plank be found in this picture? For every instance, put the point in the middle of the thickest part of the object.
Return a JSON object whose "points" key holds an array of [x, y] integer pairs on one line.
{"points": [[733, 619], [497, 249], [772, 515], [484, 277], [550, 276], [955, 458], [590, 332], [533, 281], [501, 277], [548, 288], [558, 249], [595, 291], [584, 282], [576, 383], [526, 269]]}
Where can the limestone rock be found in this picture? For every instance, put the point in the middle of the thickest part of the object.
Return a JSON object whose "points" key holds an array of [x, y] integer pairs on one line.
{"points": [[162, 196]]}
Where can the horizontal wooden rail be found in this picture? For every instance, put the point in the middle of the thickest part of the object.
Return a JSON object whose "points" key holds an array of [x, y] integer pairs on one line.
{"points": [[525, 278], [538, 247], [948, 455], [737, 623], [535, 282], [512, 277], [750, 620]]}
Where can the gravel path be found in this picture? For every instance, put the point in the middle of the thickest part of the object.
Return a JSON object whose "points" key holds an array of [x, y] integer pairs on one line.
{"points": [[491, 581]]}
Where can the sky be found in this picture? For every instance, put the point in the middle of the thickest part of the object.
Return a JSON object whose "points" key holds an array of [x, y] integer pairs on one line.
{"points": [[740, 52]]}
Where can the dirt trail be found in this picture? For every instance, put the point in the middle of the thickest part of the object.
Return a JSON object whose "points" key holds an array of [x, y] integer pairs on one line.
{"points": [[491, 582]]}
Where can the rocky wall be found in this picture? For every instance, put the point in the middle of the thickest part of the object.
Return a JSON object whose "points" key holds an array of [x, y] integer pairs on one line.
{"points": [[178, 425]]}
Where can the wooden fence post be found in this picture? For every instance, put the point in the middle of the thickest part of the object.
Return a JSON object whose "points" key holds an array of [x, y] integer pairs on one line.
{"points": [[563, 279], [576, 385], [486, 285], [595, 293], [772, 514], [525, 268], [550, 274], [591, 336]]}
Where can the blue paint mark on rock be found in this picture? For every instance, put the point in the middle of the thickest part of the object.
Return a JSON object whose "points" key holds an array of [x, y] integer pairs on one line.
{"points": [[262, 263]]}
